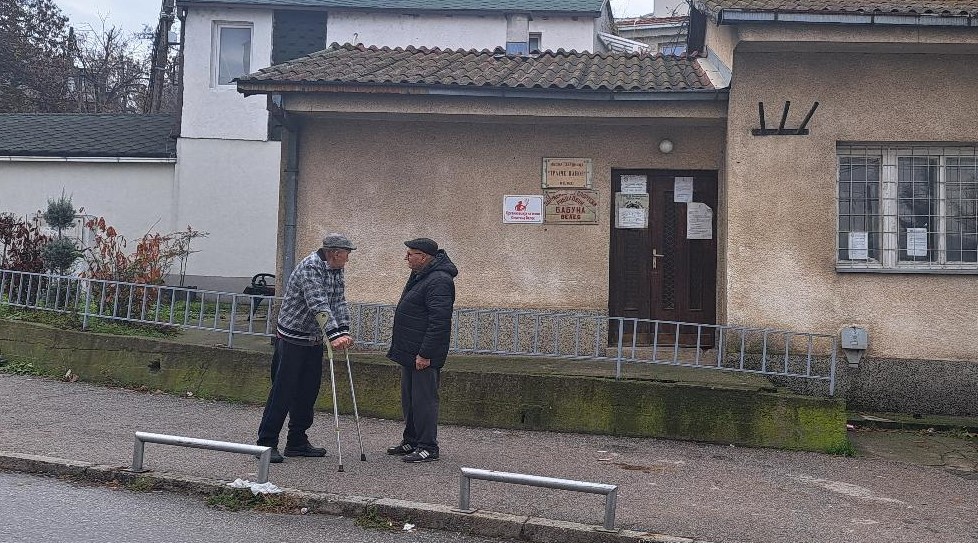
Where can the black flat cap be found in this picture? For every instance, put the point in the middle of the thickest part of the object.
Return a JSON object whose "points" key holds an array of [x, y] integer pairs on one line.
{"points": [[425, 245]]}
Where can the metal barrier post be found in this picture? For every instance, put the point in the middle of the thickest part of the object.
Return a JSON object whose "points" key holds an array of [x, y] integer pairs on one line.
{"points": [[234, 310], [610, 491], [263, 453]]}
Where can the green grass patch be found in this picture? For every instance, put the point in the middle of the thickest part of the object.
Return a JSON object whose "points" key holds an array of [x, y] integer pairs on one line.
{"points": [[141, 484], [73, 321], [846, 448], [241, 499], [371, 519], [18, 367]]}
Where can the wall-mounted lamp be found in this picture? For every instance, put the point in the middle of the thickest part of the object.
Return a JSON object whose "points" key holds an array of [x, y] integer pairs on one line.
{"points": [[666, 146]]}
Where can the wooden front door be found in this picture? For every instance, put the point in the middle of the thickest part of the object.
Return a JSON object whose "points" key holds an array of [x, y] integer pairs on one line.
{"points": [[659, 272]]}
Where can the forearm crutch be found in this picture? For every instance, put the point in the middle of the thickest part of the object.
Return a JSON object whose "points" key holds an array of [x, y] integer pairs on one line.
{"points": [[356, 413], [336, 409]]}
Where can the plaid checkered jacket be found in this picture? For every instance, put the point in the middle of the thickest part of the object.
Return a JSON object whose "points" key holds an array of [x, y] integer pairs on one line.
{"points": [[313, 288]]}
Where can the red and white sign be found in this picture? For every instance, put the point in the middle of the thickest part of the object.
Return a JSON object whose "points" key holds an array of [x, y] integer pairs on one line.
{"points": [[523, 209]]}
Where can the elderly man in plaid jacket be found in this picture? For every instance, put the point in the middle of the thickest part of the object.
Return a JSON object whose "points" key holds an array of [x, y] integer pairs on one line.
{"points": [[314, 310]]}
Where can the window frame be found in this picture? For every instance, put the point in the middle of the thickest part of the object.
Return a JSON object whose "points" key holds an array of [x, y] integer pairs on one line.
{"points": [[217, 27], [888, 214], [672, 48], [529, 41]]}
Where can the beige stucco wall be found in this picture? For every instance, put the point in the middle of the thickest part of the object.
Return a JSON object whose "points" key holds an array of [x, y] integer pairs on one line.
{"points": [[387, 181], [781, 196]]}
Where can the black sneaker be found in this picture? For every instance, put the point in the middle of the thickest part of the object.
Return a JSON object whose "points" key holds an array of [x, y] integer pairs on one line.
{"points": [[420, 455], [276, 457], [305, 449], [400, 450]]}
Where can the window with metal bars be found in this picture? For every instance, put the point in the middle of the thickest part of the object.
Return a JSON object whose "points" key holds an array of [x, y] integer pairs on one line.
{"points": [[907, 208]]}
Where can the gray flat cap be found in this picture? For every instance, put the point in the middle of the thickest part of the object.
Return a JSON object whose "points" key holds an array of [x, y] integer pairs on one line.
{"points": [[337, 241]]}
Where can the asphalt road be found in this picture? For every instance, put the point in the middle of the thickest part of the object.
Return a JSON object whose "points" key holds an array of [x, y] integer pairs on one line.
{"points": [[44, 510]]}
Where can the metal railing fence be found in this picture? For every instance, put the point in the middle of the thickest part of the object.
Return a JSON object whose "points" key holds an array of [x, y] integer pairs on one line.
{"points": [[803, 357]]}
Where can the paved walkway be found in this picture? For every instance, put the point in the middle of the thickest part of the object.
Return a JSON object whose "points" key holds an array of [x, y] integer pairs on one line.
{"points": [[709, 492]]}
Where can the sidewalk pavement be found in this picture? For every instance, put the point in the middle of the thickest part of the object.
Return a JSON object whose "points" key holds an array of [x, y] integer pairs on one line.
{"points": [[700, 491]]}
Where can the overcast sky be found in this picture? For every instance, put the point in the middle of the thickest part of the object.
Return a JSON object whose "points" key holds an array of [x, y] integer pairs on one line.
{"points": [[131, 15]]}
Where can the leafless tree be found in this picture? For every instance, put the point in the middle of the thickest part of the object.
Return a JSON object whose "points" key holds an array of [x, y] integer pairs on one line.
{"points": [[111, 73], [35, 56]]}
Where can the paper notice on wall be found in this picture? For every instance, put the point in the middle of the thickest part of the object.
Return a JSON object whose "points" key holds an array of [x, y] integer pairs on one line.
{"points": [[858, 245], [683, 189], [699, 221], [632, 210], [634, 184], [916, 242]]}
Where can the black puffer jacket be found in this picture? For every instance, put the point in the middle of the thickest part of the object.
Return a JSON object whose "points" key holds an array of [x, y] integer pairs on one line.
{"points": [[423, 318]]}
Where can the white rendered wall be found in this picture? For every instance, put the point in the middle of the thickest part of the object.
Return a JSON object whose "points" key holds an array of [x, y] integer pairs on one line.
{"points": [[453, 32], [391, 30], [565, 33], [134, 198], [230, 189], [219, 111]]}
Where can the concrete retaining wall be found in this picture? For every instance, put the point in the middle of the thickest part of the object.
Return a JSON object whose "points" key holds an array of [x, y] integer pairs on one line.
{"points": [[476, 398]]}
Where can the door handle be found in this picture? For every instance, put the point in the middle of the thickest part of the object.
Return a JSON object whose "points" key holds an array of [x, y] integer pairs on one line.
{"points": [[655, 257]]}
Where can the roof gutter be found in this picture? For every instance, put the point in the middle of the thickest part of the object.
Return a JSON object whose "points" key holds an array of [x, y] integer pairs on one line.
{"points": [[319, 7], [95, 159], [492, 92], [734, 16]]}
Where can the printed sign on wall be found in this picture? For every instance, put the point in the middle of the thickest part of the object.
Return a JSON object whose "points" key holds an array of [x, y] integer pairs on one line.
{"points": [[567, 173], [634, 184], [631, 210], [523, 209], [699, 221], [571, 207]]}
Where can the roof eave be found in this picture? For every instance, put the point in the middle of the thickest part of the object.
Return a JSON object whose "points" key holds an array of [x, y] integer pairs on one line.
{"points": [[280, 87], [737, 16], [542, 13]]}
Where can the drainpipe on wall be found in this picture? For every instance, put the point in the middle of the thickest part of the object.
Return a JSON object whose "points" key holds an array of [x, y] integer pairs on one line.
{"points": [[290, 203]]}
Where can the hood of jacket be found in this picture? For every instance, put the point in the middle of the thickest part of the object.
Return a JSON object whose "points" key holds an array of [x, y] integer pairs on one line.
{"points": [[441, 262]]}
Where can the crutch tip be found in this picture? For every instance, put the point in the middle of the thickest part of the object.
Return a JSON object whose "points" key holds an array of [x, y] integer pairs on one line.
{"points": [[340, 468], [363, 458]]}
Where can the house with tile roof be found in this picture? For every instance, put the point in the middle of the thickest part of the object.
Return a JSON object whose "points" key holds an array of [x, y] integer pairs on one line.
{"points": [[220, 163], [226, 176], [814, 168]]}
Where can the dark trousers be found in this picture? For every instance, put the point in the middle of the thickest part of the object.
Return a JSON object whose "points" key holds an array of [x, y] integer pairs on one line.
{"points": [[419, 403], [297, 371]]}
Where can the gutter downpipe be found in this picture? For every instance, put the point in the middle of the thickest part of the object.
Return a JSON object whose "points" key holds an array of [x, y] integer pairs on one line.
{"points": [[291, 186]]}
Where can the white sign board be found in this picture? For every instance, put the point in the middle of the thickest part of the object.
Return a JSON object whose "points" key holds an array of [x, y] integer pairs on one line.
{"points": [[683, 189], [699, 221], [858, 245], [634, 184], [523, 209], [916, 242]]}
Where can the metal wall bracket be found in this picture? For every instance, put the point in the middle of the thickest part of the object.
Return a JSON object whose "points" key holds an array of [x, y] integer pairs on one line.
{"points": [[781, 130]]}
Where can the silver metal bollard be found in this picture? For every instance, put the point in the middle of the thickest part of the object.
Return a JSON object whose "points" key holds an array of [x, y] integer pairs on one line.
{"points": [[264, 453], [610, 491]]}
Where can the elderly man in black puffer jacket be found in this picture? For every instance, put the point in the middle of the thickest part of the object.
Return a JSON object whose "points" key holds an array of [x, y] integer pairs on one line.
{"points": [[422, 331]]}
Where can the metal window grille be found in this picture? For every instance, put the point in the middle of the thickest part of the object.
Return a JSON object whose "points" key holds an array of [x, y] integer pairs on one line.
{"points": [[907, 208]]}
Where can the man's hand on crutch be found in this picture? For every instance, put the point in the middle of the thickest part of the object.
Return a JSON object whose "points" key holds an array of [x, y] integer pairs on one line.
{"points": [[328, 328]]}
